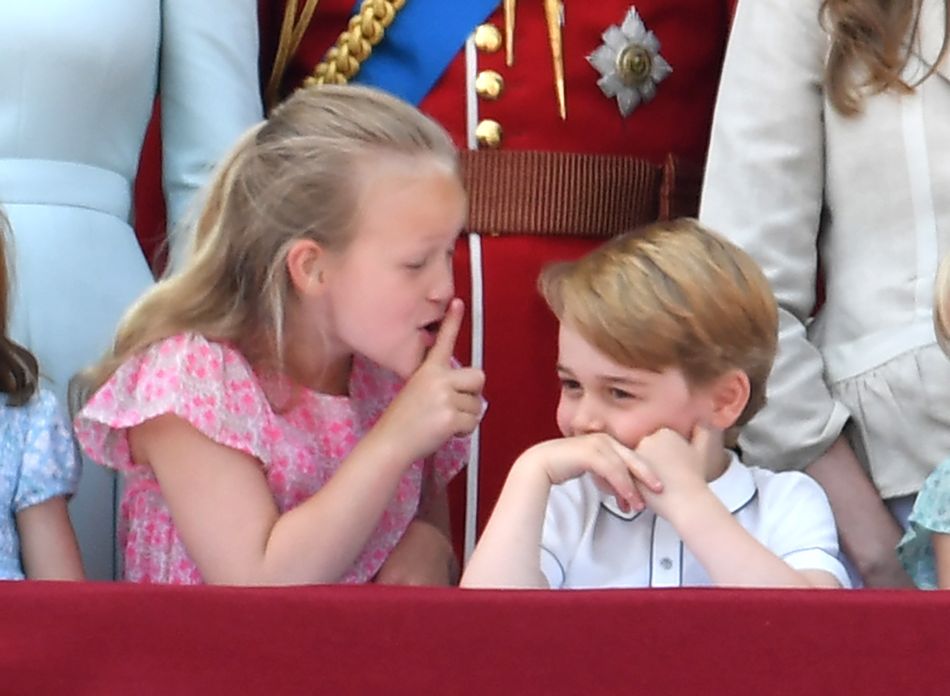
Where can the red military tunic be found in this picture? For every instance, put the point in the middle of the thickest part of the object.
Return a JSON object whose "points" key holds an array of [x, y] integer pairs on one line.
{"points": [[519, 339]]}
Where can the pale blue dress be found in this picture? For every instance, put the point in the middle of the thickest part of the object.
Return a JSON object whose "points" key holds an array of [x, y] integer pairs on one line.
{"points": [[78, 79], [931, 514], [38, 462]]}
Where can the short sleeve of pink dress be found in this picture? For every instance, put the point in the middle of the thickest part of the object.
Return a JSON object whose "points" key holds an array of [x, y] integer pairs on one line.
{"points": [[299, 446]]}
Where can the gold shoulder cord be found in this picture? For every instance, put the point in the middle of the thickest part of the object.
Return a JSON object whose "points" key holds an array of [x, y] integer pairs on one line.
{"points": [[365, 29]]}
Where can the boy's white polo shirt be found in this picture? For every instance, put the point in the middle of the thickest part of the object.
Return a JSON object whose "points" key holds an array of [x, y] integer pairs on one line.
{"points": [[588, 542]]}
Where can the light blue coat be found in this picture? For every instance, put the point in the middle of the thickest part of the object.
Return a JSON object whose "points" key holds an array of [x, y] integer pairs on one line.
{"points": [[78, 79]]}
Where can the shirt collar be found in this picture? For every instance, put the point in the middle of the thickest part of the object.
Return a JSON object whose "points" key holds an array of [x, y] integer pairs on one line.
{"points": [[735, 487]]}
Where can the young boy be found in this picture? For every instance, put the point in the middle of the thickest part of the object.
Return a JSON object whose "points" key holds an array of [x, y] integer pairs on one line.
{"points": [[667, 335]]}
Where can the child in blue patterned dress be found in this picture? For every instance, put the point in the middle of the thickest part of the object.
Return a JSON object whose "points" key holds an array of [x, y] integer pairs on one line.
{"points": [[39, 468], [925, 548]]}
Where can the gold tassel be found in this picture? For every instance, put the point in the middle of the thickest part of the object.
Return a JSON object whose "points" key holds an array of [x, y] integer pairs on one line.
{"points": [[292, 29]]}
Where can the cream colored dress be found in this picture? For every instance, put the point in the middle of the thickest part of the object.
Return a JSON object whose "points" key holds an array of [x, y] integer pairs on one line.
{"points": [[791, 180]]}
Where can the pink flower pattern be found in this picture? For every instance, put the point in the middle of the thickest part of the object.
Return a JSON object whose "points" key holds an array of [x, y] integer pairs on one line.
{"points": [[300, 444]]}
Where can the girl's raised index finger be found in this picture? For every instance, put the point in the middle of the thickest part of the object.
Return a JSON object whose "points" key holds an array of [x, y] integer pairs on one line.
{"points": [[444, 346]]}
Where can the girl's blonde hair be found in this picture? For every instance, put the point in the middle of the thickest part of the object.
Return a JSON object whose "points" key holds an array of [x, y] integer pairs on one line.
{"points": [[19, 372], [942, 305], [871, 42], [671, 294], [294, 176]]}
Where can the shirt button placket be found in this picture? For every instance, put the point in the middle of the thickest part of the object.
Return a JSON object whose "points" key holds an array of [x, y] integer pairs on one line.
{"points": [[665, 555]]}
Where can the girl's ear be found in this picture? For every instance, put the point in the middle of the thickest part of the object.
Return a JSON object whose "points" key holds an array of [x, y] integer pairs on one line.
{"points": [[305, 261], [729, 394]]}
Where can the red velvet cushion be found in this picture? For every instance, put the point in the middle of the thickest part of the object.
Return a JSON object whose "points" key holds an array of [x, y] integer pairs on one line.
{"points": [[60, 638]]}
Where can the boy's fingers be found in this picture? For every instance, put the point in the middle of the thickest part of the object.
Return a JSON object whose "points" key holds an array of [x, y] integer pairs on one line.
{"points": [[613, 477], [444, 346], [640, 468], [625, 488]]}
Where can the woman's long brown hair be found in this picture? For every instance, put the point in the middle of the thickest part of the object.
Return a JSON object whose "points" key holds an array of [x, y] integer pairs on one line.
{"points": [[18, 369], [870, 48]]}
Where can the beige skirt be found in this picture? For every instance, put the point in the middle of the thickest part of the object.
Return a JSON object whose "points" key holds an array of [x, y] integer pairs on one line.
{"points": [[900, 418]]}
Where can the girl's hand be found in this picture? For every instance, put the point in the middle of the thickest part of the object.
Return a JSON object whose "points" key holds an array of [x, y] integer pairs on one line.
{"points": [[617, 470], [440, 400], [423, 556]]}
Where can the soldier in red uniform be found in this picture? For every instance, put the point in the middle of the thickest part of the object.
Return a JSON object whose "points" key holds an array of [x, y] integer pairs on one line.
{"points": [[578, 119]]}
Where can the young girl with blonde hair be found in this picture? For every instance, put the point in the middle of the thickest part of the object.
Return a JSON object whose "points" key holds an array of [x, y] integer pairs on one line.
{"points": [[285, 408], [39, 468], [925, 548]]}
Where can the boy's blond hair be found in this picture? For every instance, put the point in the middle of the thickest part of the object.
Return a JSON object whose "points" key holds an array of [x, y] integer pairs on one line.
{"points": [[671, 294]]}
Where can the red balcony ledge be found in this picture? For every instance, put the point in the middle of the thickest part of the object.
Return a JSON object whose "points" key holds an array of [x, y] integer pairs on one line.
{"points": [[103, 638]]}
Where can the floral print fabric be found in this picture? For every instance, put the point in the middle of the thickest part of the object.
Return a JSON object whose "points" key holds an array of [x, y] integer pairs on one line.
{"points": [[931, 514], [300, 443], [37, 462]]}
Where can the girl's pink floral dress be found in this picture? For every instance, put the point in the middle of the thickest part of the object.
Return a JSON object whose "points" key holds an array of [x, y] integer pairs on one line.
{"points": [[212, 386]]}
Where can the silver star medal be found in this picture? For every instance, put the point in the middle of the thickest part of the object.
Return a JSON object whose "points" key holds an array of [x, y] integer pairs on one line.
{"points": [[630, 63]]}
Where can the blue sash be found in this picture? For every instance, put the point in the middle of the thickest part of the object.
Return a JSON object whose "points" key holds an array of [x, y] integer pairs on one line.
{"points": [[423, 39]]}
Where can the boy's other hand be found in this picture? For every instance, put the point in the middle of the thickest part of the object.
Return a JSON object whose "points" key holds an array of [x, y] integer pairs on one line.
{"points": [[683, 466]]}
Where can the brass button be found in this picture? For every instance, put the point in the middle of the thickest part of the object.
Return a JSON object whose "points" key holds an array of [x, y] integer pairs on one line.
{"points": [[488, 38], [488, 133], [489, 84]]}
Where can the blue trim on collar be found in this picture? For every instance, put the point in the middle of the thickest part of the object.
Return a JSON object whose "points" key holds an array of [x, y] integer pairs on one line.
{"points": [[609, 503], [735, 487], [420, 44]]}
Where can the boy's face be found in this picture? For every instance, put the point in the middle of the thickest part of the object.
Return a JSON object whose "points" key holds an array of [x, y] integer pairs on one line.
{"points": [[598, 395]]}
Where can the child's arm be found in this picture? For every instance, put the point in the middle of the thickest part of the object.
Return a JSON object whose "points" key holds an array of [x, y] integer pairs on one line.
{"points": [[508, 553], [941, 543], [728, 552], [47, 542], [223, 508], [867, 530]]}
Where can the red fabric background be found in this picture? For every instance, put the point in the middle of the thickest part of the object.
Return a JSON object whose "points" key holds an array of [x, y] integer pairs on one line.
{"points": [[119, 638]]}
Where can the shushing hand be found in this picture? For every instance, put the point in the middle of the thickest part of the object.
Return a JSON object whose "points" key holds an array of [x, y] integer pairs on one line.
{"points": [[440, 400]]}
